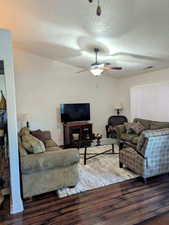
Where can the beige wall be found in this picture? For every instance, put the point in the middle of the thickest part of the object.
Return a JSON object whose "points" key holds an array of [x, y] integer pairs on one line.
{"points": [[147, 78], [42, 85]]}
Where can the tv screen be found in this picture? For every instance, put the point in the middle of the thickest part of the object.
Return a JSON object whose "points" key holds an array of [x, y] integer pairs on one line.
{"points": [[75, 112]]}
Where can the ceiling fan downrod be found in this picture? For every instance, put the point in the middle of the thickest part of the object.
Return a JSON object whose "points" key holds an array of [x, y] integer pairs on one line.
{"points": [[96, 51], [99, 10]]}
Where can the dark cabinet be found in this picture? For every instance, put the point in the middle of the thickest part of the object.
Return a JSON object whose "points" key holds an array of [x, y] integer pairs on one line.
{"points": [[73, 132]]}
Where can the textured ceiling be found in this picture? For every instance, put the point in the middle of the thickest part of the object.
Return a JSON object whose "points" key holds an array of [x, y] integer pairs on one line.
{"points": [[133, 34]]}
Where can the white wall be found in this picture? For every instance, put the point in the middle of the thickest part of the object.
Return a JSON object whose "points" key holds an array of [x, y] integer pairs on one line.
{"points": [[124, 85], [42, 85], [150, 101]]}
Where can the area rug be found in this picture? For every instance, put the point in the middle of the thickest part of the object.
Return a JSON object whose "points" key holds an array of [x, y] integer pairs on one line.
{"points": [[100, 171]]}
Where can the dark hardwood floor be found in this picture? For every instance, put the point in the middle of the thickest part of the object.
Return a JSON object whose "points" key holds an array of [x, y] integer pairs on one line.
{"points": [[126, 203]]}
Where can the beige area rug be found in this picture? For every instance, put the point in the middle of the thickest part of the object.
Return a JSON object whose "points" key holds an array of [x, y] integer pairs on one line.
{"points": [[100, 171]]}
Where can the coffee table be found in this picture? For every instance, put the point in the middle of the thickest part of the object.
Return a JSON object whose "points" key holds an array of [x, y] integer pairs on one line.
{"points": [[103, 142]]}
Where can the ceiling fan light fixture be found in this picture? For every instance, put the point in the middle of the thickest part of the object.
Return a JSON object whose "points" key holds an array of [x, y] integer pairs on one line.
{"points": [[96, 71]]}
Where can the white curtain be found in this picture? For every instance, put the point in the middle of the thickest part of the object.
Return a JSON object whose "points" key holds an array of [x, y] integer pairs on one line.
{"points": [[150, 102]]}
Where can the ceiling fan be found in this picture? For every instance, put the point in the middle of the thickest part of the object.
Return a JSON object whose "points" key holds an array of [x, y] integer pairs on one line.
{"points": [[98, 68]]}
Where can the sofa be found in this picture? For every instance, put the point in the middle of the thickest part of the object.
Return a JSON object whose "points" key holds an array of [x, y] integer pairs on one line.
{"points": [[132, 137], [151, 155], [49, 170]]}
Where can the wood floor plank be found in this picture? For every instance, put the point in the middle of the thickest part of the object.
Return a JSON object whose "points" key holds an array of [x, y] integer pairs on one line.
{"points": [[126, 203]]}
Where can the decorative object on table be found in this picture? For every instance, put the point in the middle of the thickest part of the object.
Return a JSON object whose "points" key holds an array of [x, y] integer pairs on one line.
{"points": [[112, 122], [102, 142], [98, 137], [118, 107], [97, 68], [99, 10], [76, 136]]}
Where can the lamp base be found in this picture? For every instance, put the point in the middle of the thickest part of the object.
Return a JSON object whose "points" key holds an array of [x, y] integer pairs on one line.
{"points": [[118, 112], [27, 124]]}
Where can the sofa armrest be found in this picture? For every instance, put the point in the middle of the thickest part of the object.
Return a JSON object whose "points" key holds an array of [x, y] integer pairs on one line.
{"points": [[134, 148], [155, 133], [49, 160], [128, 144]]}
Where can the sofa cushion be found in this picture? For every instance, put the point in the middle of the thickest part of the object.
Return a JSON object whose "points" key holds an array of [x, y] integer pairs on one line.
{"points": [[128, 137], [49, 160], [128, 127], [135, 140], [159, 125], [137, 127], [38, 134], [50, 143]]}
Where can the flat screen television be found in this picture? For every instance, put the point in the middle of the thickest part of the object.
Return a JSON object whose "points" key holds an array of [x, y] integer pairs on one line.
{"points": [[75, 112]]}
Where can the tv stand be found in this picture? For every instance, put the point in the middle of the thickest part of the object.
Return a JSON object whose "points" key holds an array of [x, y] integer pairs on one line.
{"points": [[75, 131]]}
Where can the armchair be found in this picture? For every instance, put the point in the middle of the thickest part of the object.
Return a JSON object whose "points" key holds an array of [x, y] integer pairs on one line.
{"points": [[151, 155], [113, 121]]}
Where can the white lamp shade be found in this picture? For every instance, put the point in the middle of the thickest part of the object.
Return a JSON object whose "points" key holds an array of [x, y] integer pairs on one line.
{"points": [[24, 117], [96, 71], [118, 106]]}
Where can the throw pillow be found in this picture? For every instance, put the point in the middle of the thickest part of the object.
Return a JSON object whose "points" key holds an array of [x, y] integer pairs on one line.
{"points": [[38, 134], [32, 144], [24, 131], [46, 135], [137, 128], [128, 127], [50, 143], [41, 135]]}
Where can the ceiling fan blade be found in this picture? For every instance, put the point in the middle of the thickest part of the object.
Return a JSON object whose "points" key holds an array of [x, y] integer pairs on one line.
{"points": [[81, 71], [112, 68]]}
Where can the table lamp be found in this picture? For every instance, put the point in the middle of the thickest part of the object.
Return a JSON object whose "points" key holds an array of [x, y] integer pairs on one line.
{"points": [[118, 107]]}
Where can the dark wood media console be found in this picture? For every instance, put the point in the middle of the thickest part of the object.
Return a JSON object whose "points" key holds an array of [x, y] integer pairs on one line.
{"points": [[76, 131]]}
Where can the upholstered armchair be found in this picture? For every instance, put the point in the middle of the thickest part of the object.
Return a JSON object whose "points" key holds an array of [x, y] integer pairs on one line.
{"points": [[113, 121], [150, 157]]}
